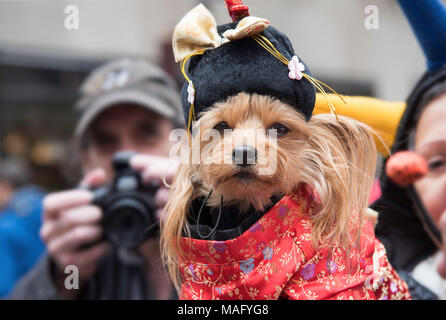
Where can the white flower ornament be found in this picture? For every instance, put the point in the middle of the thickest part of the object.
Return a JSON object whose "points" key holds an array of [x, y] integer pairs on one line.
{"points": [[191, 93], [296, 68]]}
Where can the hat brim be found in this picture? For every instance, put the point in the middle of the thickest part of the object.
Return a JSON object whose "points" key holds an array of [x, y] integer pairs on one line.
{"points": [[111, 99]]}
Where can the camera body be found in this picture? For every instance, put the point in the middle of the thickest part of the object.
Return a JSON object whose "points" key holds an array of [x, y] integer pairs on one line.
{"points": [[128, 205]]}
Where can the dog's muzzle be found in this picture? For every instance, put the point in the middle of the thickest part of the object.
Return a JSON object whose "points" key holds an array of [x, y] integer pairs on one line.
{"points": [[244, 156]]}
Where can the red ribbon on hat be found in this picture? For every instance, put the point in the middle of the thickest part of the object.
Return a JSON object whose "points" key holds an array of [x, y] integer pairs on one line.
{"points": [[237, 10]]}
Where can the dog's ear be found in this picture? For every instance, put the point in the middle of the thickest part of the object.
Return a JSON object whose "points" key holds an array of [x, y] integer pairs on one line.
{"points": [[340, 163], [174, 222]]}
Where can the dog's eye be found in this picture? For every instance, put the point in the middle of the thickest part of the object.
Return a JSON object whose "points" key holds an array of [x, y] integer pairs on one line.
{"points": [[222, 126], [281, 129]]}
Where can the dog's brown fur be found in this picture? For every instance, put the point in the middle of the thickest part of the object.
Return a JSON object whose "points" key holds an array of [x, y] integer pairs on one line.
{"points": [[335, 156]]}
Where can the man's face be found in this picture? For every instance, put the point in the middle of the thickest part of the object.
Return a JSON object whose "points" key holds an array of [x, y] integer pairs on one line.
{"points": [[125, 127]]}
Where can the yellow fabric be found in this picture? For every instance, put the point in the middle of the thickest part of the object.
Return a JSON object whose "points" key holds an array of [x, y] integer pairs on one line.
{"points": [[382, 116], [197, 31]]}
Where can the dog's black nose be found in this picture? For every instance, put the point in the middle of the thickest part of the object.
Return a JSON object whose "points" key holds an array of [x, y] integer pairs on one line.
{"points": [[244, 156]]}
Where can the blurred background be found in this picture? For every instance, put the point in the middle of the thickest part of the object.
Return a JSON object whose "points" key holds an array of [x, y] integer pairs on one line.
{"points": [[42, 62]]}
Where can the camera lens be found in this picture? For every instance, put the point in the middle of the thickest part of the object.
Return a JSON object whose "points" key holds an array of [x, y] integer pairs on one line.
{"points": [[126, 222]]}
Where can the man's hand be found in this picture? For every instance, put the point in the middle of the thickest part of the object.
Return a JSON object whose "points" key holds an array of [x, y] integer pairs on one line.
{"points": [[156, 169], [441, 268], [71, 222]]}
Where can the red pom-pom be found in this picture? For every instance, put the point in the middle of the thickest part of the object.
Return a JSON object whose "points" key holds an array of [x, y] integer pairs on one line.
{"points": [[406, 167], [237, 10]]}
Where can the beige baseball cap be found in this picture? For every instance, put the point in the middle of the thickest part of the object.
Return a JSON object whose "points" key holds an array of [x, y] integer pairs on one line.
{"points": [[126, 80]]}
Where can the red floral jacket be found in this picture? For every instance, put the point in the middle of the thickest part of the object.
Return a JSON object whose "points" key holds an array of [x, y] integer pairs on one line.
{"points": [[275, 259]]}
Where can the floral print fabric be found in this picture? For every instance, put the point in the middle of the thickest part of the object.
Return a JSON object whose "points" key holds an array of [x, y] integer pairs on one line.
{"points": [[275, 259]]}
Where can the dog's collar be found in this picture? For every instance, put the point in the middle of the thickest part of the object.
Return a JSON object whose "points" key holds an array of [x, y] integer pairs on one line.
{"points": [[232, 224]]}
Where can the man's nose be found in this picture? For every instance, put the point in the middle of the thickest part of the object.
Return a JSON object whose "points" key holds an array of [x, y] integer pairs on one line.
{"points": [[244, 156], [126, 144]]}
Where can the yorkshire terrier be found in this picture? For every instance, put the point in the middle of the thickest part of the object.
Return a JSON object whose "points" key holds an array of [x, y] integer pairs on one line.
{"points": [[265, 150]]}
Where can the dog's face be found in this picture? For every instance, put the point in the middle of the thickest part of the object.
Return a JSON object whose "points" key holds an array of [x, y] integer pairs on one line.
{"points": [[249, 148], [243, 162]]}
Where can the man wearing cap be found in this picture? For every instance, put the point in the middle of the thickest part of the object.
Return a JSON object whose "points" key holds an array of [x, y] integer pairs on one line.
{"points": [[126, 104]]}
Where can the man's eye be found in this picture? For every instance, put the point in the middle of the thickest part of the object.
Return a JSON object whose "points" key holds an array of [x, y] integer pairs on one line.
{"points": [[280, 128], [222, 126], [148, 132]]}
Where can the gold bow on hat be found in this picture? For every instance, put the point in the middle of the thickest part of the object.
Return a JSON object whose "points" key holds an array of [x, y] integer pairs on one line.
{"points": [[197, 31]]}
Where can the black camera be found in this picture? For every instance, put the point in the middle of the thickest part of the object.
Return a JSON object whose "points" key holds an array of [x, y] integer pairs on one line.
{"points": [[128, 205]]}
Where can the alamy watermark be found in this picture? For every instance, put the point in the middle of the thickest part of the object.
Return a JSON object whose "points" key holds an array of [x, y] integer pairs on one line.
{"points": [[71, 21], [72, 279], [371, 21], [239, 147]]}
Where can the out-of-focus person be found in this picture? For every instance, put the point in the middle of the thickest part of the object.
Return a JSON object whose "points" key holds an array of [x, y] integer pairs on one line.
{"points": [[127, 104], [20, 220], [411, 218]]}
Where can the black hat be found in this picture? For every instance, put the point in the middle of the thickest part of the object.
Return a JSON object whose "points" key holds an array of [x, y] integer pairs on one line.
{"points": [[245, 65]]}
